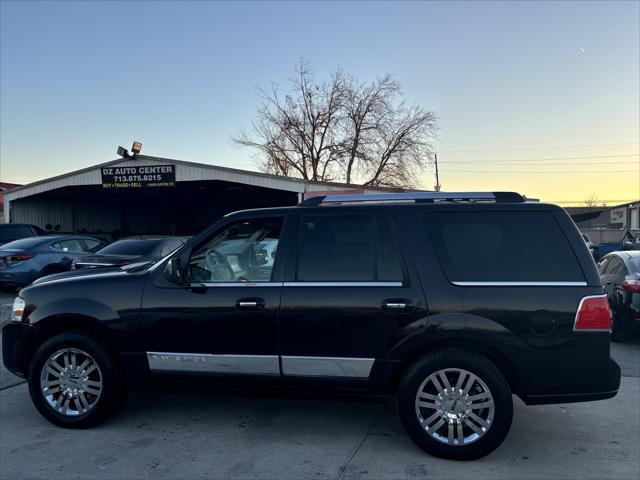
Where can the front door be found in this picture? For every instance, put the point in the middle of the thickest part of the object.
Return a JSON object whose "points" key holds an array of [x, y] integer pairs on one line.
{"points": [[344, 300], [223, 320]]}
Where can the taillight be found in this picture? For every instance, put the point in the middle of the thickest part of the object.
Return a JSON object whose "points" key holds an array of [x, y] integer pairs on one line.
{"points": [[632, 286], [594, 314], [19, 258]]}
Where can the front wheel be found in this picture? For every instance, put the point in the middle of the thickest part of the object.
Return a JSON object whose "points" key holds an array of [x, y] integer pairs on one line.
{"points": [[74, 381], [455, 404]]}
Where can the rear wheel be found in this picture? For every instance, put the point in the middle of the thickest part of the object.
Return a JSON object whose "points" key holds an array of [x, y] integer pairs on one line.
{"points": [[455, 404], [51, 270], [618, 333], [74, 382]]}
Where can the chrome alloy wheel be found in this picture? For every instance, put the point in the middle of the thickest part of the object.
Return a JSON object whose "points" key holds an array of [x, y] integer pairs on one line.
{"points": [[71, 381], [454, 406]]}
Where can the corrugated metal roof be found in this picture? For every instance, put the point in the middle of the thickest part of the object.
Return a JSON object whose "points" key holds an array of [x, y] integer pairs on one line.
{"points": [[185, 171]]}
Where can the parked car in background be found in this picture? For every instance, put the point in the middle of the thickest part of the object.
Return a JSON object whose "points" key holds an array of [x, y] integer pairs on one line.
{"points": [[22, 261], [15, 231], [361, 294], [131, 250], [620, 275], [590, 245]]}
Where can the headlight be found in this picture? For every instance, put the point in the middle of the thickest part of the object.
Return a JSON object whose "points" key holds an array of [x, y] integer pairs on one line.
{"points": [[18, 309]]}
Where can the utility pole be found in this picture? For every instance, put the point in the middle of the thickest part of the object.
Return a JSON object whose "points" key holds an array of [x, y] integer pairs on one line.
{"points": [[438, 186]]}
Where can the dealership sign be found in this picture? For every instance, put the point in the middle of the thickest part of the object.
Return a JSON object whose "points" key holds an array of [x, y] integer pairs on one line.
{"points": [[139, 176]]}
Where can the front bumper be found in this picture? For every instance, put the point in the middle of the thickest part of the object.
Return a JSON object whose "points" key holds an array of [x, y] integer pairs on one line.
{"points": [[16, 337]]}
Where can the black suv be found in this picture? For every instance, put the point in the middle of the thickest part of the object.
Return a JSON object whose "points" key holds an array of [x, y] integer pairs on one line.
{"points": [[451, 301]]}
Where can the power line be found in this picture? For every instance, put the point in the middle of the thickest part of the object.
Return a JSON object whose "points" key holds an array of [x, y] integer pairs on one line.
{"points": [[555, 164], [627, 200], [634, 155], [523, 171], [539, 148]]}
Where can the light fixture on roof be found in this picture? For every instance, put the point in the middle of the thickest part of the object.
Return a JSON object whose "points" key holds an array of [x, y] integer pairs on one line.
{"points": [[123, 152], [136, 147]]}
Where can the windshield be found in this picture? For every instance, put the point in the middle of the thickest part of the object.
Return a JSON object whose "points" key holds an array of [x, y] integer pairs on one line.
{"points": [[131, 247], [634, 263]]}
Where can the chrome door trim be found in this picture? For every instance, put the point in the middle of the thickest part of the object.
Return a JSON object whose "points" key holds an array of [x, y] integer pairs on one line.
{"points": [[520, 284], [237, 284], [207, 363], [346, 367], [342, 284], [296, 284]]}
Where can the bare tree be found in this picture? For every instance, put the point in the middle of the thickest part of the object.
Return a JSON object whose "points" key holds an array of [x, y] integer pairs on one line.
{"points": [[591, 201], [341, 129]]}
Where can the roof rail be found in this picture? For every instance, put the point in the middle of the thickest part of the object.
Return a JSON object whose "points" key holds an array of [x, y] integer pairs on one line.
{"points": [[418, 197]]}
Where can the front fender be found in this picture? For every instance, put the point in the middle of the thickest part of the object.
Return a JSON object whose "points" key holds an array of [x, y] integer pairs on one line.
{"points": [[79, 308]]}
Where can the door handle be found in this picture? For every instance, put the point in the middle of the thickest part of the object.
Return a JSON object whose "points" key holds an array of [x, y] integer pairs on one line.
{"points": [[250, 304], [393, 305], [397, 305]]}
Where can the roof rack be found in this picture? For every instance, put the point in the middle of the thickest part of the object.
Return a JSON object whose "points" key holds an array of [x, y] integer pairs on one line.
{"points": [[418, 197]]}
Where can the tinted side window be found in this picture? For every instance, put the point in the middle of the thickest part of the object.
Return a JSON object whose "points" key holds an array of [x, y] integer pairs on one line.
{"points": [[336, 248], [616, 267], [388, 257], [502, 247], [93, 245], [348, 248], [602, 265]]}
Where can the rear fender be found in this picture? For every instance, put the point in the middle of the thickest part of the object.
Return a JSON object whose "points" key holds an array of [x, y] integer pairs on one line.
{"points": [[457, 330]]}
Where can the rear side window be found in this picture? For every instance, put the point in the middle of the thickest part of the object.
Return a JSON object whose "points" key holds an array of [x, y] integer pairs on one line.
{"points": [[502, 247], [68, 246], [347, 248], [93, 245], [616, 267]]}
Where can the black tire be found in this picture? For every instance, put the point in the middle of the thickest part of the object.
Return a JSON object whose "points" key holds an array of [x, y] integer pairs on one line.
{"points": [[112, 392], [51, 270], [618, 334], [484, 370]]}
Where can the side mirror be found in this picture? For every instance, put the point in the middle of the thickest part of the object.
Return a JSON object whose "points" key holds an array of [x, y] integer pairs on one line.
{"points": [[173, 270]]}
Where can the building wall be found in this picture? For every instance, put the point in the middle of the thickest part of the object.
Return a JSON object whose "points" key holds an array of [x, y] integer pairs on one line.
{"points": [[67, 216]]}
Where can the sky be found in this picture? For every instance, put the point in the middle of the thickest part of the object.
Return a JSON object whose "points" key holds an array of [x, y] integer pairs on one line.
{"points": [[538, 97]]}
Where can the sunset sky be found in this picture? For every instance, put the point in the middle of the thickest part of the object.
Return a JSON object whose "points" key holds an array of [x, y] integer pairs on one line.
{"points": [[539, 97]]}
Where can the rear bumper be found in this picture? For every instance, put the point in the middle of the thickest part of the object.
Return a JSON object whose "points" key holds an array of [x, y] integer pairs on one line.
{"points": [[15, 341], [20, 279], [605, 384]]}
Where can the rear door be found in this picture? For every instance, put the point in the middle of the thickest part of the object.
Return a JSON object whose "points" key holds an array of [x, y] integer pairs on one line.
{"points": [[346, 294], [68, 250]]}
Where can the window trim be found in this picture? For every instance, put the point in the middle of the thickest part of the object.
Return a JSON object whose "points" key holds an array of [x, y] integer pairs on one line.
{"points": [[296, 284], [520, 284]]}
